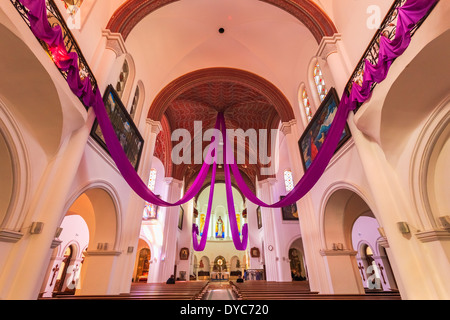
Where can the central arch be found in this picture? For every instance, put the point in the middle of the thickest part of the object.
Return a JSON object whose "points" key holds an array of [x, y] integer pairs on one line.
{"points": [[208, 75]]}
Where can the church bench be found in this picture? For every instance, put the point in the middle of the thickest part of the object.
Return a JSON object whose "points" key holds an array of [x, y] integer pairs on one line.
{"points": [[149, 291], [262, 290]]}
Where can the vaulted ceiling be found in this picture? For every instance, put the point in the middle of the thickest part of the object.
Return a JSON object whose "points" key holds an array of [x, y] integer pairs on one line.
{"points": [[132, 12], [174, 37]]}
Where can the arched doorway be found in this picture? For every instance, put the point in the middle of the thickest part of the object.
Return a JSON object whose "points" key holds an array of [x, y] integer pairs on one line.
{"points": [[97, 206], [297, 261], [373, 262], [342, 209], [62, 284], [142, 264]]}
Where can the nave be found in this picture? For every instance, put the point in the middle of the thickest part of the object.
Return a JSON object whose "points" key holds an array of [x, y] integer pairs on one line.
{"points": [[230, 290], [376, 213]]}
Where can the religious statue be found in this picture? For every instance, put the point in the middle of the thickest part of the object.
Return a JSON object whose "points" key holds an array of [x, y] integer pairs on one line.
{"points": [[220, 228]]}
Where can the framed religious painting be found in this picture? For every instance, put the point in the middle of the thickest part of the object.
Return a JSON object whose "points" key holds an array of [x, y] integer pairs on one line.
{"points": [[126, 131], [315, 133], [180, 218], [254, 252], [184, 254], [289, 213]]}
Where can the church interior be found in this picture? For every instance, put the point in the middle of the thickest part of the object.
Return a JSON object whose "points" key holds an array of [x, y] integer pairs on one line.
{"points": [[89, 214]]}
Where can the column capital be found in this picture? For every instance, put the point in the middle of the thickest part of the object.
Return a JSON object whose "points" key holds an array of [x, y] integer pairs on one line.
{"points": [[173, 181], [287, 127], [155, 126], [114, 42], [270, 181], [328, 46]]}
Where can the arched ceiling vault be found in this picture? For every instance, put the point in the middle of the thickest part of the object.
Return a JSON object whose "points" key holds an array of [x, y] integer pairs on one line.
{"points": [[307, 12], [247, 101]]}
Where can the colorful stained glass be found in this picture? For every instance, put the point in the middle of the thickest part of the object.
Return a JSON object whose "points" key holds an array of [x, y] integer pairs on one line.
{"points": [[320, 82], [306, 105], [288, 180], [150, 210]]}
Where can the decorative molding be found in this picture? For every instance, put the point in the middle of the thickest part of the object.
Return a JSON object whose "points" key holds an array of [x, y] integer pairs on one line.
{"points": [[286, 127], [114, 42], [10, 236], [433, 235], [328, 46], [155, 126]]}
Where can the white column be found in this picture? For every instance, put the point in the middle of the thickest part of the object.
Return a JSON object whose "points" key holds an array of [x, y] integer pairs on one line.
{"points": [[114, 47], [309, 227], [411, 272], [34, 250], [137, 204], [98, 271], [169, 250], [269, 231], [152, 129]]}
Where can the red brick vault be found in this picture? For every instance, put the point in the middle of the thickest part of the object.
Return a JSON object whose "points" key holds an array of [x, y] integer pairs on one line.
{"points": [[247, 101]]}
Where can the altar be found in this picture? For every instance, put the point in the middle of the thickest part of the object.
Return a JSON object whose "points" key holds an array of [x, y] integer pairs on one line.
{"points": [[219, 276]]}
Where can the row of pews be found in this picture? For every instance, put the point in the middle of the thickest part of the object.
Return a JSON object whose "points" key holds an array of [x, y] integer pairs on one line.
{"points": [[297, 290], [181, 290]]}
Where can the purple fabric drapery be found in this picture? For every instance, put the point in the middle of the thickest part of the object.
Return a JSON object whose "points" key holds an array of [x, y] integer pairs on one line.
{"points": [[238, 243], [200, 246], [408, 16], [68, 62]]}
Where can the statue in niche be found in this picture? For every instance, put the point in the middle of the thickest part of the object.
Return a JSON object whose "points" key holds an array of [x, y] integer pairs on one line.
{"points": [[220, 228]]}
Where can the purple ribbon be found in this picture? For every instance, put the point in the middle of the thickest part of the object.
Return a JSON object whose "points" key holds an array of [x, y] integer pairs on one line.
{"points": [[238, 243], [408, 16]]}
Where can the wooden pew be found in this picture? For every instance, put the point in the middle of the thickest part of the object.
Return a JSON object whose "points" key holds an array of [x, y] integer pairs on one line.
{"points": [[150, 291], [263, 290]]}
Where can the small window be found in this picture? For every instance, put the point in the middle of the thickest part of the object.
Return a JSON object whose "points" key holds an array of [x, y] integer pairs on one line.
{"points": [[123, 77], [288, 180], [306, 105], [150, 210], [134, 105], [320, 82]]}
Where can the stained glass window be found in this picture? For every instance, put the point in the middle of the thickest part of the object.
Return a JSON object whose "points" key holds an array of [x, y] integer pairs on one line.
{"points": [[288, 180], [150, 210], [320, 82], [306, 105], [123, 77], [135, 103]]}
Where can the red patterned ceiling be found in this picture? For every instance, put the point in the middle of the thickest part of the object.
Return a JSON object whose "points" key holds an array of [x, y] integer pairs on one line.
{"points": [[244, 108]]}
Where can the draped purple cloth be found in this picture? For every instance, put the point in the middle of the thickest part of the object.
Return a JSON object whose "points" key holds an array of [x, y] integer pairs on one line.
{"points": [[408, 16], [238, 243], [200, 246]]}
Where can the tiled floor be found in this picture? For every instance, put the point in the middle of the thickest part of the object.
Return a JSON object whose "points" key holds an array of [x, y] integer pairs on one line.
{"points": [[219, 291]]}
